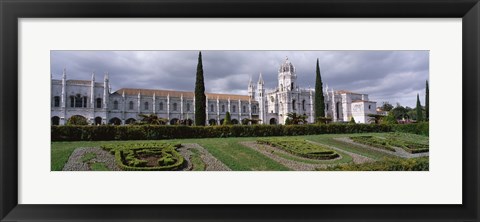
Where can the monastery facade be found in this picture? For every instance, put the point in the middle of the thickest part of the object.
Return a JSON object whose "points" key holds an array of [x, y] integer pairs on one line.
{"points": [[99, 105]]}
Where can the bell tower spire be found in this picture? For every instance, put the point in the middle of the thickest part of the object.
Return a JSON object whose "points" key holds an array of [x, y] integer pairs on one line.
{"points": [[251, 89], [287, 76]]}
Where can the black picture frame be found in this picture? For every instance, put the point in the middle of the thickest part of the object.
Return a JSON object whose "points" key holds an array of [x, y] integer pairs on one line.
{"points": [[11, 11]]}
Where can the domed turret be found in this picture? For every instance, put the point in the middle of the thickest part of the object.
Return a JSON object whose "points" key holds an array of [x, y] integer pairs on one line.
{"points": [[286, 66], [286, 76]]}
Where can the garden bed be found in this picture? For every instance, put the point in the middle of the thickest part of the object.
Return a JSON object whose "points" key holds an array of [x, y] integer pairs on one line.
{"points": [[301, 148], [390, 142], [146, 156]]}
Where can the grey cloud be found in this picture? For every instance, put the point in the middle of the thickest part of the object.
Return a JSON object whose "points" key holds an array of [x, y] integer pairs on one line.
{"points": [[393, 76]]}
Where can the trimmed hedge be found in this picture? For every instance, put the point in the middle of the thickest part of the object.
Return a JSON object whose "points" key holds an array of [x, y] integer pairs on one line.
{"points": [[301, 148], [154, 132], [392, 140], [415, 128], [413, 164], [373, 141], [129, 156]]}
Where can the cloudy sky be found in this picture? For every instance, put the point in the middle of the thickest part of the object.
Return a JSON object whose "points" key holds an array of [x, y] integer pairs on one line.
{"points": [[393, 76]]}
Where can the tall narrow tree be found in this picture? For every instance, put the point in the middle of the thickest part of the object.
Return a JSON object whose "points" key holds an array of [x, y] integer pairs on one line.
{"points": [[419, 110], [200, 99], [319, 98], [427, 111]]}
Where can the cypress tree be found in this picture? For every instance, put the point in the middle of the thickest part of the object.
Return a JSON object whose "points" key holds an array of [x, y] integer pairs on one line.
{"points": [[427, 112], [228, 119], [419, 110], [319, 98], [200, 99]]}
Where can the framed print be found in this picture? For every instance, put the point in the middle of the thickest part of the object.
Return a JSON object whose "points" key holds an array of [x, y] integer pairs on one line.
{"points": [[150, 94]]}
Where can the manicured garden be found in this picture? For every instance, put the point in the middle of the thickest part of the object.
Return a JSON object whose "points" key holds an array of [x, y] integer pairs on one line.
{"points": [[301, 148], [146, 156], [393, 140], [235, 155]]}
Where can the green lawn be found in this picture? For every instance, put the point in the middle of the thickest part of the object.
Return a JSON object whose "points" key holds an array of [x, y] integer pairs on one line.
{"points": [[230, 151]]}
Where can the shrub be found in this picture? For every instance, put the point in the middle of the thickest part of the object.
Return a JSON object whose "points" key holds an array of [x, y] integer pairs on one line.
{"points": [[129, 156], [301, 148], [77, 120], [421, 128], [158, 132], [392, 140], [386, 164]]}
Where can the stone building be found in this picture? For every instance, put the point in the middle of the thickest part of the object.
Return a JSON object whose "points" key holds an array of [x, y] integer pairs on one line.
{"points": [[99, 105]]}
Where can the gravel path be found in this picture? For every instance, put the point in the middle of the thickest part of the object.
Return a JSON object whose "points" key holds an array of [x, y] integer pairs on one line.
{"points": [[398, 151], [186, 153], [212, 163], [75, 162], [357, 158], [268, 151]]}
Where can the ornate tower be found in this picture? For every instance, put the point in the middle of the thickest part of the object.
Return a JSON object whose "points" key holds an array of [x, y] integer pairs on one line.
{"points": [[287, 76], [261, 98], [92, 93], [251, 89], [106, 88], [63, 118]]}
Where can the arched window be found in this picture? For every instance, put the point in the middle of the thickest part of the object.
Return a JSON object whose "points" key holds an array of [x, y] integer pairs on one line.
{"points": [[130, 105], [293, 105], [327, 106], [291, 87], [303, 105], [78, 101], [188, 107], [115, 104], [145, 106], [244, 109], [55, 121], [211, 108], [99, 103], [369, 106], [56, 101], [175, 107], [161, 106], [254, 109], [234, 109], [85, 102], [72, 101], [223, 108]]}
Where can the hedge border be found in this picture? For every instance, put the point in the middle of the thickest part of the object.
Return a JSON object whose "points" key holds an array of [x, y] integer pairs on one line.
{"points": [[153, 132]]}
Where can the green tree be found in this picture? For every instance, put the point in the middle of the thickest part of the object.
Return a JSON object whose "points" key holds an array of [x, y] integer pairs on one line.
{"points": [[352, 120], [386, 106], [419, 110], [288, 121], [427, 110], [390, 118], [248, 121], [324, 120], [375, 118], [228, 119], [77, 120], [319, 98], [399, 112], [152, 119], [200, 98], [296, 119]]}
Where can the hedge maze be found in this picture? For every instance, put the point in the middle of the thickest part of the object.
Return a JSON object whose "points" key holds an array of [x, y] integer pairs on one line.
{"points": [[146, 156]]}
